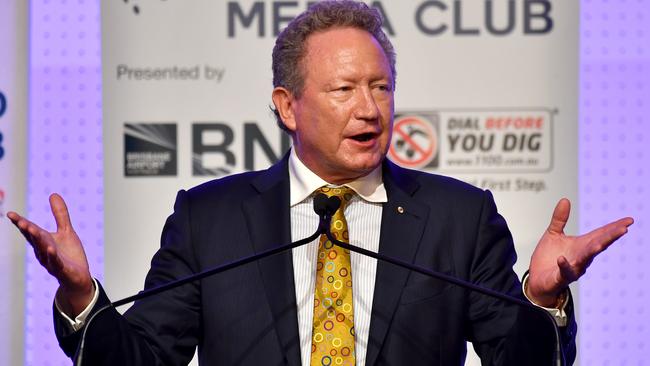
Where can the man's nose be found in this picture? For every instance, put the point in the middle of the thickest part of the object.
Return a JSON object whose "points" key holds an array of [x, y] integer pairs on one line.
{"points": [[366, 106]]}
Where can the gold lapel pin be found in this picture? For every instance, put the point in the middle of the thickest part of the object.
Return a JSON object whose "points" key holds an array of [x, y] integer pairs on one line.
{"points": [[400, 209]]}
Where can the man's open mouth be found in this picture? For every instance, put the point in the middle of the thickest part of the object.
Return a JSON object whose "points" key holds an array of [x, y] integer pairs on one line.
{"points": [[364, 137]]}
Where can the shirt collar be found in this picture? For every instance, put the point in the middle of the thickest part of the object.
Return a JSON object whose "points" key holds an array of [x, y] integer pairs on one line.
{"points": [[303, 182]]}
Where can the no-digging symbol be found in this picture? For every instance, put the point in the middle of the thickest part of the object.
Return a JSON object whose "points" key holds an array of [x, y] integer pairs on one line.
{"points": [[414, 144]]}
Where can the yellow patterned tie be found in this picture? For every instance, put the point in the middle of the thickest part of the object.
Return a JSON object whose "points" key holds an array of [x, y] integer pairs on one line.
{"points": [[333, 329]]}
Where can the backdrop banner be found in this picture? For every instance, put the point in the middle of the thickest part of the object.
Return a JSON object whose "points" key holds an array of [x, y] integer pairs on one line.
{"points": [[486, 92], [13, 94]]}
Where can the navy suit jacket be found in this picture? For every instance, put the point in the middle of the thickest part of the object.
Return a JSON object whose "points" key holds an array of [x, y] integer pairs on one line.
{"points": [[247, 316]]}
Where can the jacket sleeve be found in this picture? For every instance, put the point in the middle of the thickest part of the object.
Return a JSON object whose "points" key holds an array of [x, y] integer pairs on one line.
{"points": [[162, 329], [508, 334]]}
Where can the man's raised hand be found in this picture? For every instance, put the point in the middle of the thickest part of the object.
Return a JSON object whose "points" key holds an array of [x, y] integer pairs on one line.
{"points": [[560, 259], [62, 254]]}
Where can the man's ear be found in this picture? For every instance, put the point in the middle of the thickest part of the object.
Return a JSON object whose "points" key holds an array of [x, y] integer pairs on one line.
{"points": [[283, 101]]}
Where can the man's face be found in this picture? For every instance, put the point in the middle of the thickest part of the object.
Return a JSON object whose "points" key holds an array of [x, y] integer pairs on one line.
{"points": [[342, 122]]}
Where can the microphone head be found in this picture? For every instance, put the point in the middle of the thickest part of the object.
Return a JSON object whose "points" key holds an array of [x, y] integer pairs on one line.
{"points": [[326, 206], [333, 204], [320, 204]]}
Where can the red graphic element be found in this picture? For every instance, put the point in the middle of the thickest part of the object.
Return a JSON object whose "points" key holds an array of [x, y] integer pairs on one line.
{"points": [[2, 199], [515, 122], [414, 142]]}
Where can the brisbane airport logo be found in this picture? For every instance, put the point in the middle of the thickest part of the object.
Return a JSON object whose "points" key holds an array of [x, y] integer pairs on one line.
{"points": [[474, 140], [3, 109], [217, 148], [150, 149]]}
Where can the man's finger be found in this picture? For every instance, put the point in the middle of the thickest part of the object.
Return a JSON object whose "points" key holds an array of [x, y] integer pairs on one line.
{"points": [[607, 234], [41, 246], [14, 218], [41, 241], [560, 216], [32, 233], [36, 238], [567, 272], [23, 226], [610, 233], [60, 212], [19, 222]]}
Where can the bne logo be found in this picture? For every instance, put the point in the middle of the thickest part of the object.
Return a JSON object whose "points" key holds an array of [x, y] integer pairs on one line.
{"points": [[3, 109], [214, 150]]}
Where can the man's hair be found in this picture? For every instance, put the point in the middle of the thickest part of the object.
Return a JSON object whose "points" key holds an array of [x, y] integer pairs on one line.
{"points": [[290, 47]]}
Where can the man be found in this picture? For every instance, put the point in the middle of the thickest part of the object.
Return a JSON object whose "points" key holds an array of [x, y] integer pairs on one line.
{"points": [[334, 80]]}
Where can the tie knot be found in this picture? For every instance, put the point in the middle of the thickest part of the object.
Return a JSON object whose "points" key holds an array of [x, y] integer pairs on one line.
{"points": [[344, 193]]}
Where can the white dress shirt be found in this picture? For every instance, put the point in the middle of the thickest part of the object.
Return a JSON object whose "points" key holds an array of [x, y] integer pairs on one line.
{"points": [[363, 215]]}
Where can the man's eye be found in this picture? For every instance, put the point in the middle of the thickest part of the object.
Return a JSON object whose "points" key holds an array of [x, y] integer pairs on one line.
{"points": [[383, 87], [344, 88]]}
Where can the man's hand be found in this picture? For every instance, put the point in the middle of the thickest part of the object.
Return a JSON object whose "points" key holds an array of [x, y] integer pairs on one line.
{"points": [[559, 259], [62, 254]]}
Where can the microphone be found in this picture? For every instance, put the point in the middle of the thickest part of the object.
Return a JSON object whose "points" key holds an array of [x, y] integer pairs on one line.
{"points": [[327, 206]]}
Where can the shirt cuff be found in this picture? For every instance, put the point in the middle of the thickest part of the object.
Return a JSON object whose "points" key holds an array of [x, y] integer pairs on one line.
{"points": [[80, 320], [558, 313]]}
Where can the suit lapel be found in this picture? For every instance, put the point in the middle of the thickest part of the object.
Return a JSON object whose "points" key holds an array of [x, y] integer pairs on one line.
{"points": [[268, 220], [402, 224]]}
